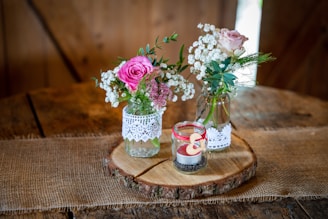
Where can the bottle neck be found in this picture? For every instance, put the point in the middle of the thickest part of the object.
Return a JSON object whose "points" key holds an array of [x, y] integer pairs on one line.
{"points": [[210, 96]]}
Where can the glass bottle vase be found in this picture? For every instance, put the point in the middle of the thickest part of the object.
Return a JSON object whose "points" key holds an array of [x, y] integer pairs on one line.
{"points": [[214, 113], [141, 133]]}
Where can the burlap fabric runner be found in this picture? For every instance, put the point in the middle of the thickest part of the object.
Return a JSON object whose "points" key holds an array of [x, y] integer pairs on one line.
{"points": [[58, 173]]}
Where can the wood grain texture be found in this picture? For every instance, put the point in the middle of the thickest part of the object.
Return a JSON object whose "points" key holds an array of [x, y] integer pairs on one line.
{"points": [[17, 119], [3, 85], [92, 35], [38, 215], [300, 45], [53, 43], [267, 108], [31, 60], [61, 18], [157, 176], [315, 209], [287, 208], [75, 111], [21, 55], [81, 109]]}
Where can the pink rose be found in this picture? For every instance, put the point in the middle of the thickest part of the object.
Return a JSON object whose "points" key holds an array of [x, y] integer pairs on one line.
{"points": [[134, 70], [231, 40]]}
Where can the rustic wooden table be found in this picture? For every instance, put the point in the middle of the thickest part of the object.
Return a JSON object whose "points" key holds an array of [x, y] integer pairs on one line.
{"points": [[80, 109]]}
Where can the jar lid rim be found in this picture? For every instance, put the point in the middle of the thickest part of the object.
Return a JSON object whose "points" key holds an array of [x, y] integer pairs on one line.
{"points": [[188, 124]]}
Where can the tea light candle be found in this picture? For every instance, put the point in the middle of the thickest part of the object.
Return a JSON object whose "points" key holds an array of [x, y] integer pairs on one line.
{"points": [[189, 146], [184, 158]]}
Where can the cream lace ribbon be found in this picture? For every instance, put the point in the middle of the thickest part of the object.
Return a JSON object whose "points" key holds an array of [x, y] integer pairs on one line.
{"points": [[219, 139], [141, 127]]}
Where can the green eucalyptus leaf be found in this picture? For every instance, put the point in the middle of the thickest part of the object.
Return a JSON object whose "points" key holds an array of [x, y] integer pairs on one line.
{"points": [[184, 67], [216, 77], [165, 60], [150, 59], [226, 63], [216, 66], [181, 58], [147, 48], [141, 51], [166, 40], [209, 70], [152, 51], [154, 62], [174, 37], [95, 80], [221, 90], [229, 78]]}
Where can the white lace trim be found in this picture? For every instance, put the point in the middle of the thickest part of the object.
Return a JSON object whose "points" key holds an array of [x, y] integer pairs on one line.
{"points": [[141, 127], [218, 140]]}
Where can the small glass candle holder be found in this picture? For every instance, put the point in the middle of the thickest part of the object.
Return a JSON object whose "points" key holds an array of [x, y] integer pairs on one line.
{"points": [[189, 142]]}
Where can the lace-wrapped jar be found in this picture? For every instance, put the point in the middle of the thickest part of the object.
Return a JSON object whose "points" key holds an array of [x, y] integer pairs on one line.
{"points": [[141, 133], [214, 113]]}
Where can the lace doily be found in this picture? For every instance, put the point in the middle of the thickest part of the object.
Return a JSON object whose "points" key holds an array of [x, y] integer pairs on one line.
{"points": [[141, 127], [219, 139]]}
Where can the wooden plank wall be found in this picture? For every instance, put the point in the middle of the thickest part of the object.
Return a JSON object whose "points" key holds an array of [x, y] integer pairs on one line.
{"points": [[2, 58], [30, 58], [297, 34], [52, 43]]}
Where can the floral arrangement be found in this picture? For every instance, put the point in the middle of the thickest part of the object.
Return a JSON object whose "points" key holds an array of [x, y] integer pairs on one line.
{"points": [[147, 82], [216, 55]]}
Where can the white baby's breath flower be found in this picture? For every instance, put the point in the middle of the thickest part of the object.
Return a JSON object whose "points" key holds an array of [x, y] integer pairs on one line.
{"points": [[195, 44], [115, 104], [191, 59], [198, 77], [206, 27], [210, 46], [197, 65], [163, 65], [104, 75], [206, 39], [203, 69], [171, 83], [174, 98]]}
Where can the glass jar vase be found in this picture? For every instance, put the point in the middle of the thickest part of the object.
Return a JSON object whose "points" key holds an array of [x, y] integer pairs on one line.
{"points": [[141, 133], [189, 147], [214, 113]]}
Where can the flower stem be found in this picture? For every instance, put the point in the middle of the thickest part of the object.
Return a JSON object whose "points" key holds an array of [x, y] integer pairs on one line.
{"points": [[155, 142], [224, 107], [210, 113]]}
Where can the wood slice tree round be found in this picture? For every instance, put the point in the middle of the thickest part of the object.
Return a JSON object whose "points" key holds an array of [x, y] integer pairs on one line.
{"points": [[157, 176]]}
